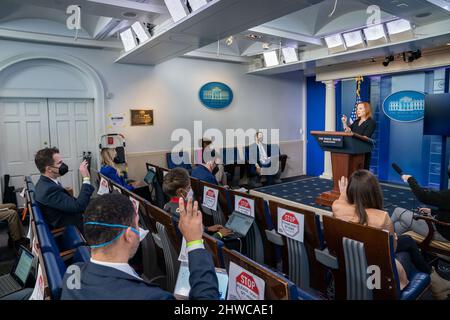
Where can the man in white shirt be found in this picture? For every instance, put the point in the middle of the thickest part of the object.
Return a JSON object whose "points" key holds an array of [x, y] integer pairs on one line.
{"points": [[263, 164]]}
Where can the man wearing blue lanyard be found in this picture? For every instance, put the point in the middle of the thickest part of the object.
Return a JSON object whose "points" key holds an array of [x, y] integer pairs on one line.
{"points": [[112, 230]]}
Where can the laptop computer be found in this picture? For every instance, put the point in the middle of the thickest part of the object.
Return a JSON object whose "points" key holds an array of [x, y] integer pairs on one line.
{"points": [[20, 272], [240, 224]]}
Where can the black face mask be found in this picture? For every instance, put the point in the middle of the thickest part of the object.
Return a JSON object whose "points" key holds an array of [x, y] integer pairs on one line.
{"points": [[117, 160], [63, 169], [215, 170]]}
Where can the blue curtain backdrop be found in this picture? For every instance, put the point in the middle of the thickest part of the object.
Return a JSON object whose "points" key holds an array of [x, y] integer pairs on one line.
{"points": [[315, 114]]}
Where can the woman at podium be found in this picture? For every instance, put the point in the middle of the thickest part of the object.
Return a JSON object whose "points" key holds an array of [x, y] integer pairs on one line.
{"points": [[364, 125]]}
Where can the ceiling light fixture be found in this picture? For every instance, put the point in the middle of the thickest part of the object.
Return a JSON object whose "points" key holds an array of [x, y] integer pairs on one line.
{"points": [[375, 35], [399, 30], [290, 55], [354, 40], [271, 58], [335, 43]]}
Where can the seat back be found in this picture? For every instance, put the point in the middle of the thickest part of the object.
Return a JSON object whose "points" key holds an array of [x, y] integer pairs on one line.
{"points": [[168, 240], [215, 247], [277, 287], [218, 216], [358, 250], [55, 269], [299, 257], [258, 247]]}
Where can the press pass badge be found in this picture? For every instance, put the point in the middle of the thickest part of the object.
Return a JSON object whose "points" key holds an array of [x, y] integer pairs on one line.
{"points": [[244, 205], [210, 197], [183, 257], [291, 224], [103, 188], [244, 285]]}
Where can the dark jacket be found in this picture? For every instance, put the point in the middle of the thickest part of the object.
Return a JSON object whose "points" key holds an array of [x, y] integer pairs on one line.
{"points": [[104, 283], [112, 174], [367, 128], [58, 207], [202, 173], [438, 199]]}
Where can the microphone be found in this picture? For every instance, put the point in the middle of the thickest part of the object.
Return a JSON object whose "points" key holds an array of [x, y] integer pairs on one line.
{"points": [[397, 169]]}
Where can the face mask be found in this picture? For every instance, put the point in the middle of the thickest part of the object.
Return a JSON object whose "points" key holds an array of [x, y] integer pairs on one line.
{"points": [[215, 170], [119, 235], [63, 169], [117, 160], [142, 233]]}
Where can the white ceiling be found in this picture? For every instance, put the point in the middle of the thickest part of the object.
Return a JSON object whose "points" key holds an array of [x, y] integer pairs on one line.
{"points": [[303, 29]]}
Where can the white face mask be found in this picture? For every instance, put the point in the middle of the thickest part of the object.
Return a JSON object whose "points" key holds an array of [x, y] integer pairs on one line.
{"points": [[142, 234]]}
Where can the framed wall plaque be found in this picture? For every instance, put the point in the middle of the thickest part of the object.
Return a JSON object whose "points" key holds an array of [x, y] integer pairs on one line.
{"points": [[141, 117]]}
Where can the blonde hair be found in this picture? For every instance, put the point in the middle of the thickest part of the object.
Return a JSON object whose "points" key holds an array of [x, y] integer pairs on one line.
{"points": [[107, 155]]}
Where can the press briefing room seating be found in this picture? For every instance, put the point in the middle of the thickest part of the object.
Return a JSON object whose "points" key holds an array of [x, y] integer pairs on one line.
{"points": [[215, 248], [437, 248], [168, 240], [353, 248], [218, 216], [277, 287], [157, 175], [299, 259], [259, 248], [55, 249], [185, 157]]}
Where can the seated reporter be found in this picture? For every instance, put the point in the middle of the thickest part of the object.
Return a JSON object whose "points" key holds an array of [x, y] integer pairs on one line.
{"points": [[361, 201], [177, 185], [112, 231], [57, 204], [404, 219], [264, 161], [110, 170], [207, 170]]}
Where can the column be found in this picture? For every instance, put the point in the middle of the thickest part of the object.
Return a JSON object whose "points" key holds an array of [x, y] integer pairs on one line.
{"points": [[330, 123]]}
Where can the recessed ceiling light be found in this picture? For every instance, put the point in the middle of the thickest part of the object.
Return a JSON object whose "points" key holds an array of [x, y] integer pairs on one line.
{"points": [[129, 14], [423, 15]]}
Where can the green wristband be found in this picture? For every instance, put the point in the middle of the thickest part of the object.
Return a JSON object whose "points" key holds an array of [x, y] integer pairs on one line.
{"points": [[193, 243]]}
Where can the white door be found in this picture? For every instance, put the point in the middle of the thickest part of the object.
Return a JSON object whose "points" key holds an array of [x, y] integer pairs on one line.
{"points": [[24, 130], [27, 125], [72, 132]]}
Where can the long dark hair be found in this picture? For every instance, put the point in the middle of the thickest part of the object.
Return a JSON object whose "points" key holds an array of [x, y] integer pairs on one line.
{"points": [[364, 192]]}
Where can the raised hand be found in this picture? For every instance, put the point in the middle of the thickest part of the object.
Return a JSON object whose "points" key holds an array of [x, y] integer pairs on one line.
{"points": [[191, 223]]}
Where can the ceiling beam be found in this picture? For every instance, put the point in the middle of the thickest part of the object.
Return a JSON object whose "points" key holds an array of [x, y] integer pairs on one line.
{"points": [[287, 35], [152, 7]]}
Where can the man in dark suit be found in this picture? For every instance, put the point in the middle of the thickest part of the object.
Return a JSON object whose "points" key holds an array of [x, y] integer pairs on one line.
{"points": [[207, 170], [112, 231], [262, 162], [58, 206]]}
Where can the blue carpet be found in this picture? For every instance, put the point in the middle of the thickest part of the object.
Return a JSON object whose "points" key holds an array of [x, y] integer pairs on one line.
{"points": [[307, 189]]}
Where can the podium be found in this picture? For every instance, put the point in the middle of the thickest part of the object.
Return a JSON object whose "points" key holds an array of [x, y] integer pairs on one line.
{"points": [[347, 155]]}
